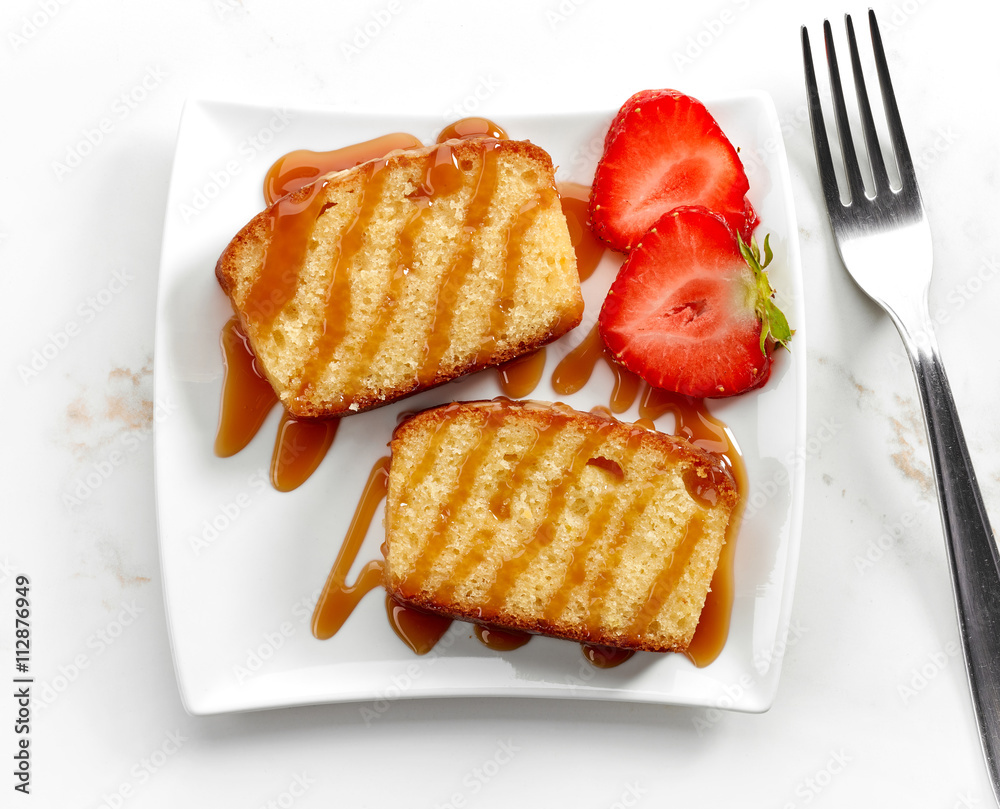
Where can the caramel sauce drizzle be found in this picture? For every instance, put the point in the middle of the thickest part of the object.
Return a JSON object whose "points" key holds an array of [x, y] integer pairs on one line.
{"points": [[500, 502], [576, 573], [501, 640], [290, 223], [512, 567], [338, 599], [299, 449], [337, 307], [508, 282], [575, 199], [576, 368], [694, 422], [247, 396], [301, 167], [468, 563], [668, 577], [417, 629], [443, 178], [471, 466], [520, 377], [302, 444], [472, 128], [605, 577], [439, 337]]}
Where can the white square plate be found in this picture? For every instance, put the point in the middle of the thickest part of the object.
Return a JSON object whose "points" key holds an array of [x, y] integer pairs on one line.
{"points": [[243, 564]]}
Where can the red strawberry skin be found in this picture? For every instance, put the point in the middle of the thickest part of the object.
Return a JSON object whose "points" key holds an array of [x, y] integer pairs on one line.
{"points": [[663, 150], [681, 312]]}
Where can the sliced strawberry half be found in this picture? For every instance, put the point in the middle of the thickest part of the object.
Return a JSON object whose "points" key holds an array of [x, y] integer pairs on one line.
{"points": [[663, 150], [691, 310]]}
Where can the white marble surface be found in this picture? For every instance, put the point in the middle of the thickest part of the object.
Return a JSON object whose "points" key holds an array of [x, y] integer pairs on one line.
{"points": [[873, 706]]}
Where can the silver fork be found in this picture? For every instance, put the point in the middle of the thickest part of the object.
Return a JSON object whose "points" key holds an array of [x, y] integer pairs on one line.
{"points": [[884, 241]]}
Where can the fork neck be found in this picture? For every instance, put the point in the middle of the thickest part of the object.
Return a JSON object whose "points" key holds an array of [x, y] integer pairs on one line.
{"points": [[912, 319]]}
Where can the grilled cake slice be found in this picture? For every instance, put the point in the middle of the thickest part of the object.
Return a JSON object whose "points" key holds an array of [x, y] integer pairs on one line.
{"points": [[537, 517], [403, 273]]}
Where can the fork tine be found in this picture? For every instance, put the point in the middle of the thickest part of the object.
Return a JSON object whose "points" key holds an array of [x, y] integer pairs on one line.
{"points": [[854, 182], [824, 158], [879, 175], [904, 163]]}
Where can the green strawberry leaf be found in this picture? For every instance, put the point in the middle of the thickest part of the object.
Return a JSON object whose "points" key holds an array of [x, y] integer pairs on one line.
{"points": [[773, 322]]}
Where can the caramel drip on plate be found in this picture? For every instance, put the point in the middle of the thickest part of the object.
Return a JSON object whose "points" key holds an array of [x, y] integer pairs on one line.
{"points": [[299, 449], [338, 599], [576, 368], [247, 396], [575, 199], [472, 128], [290, 223], [417, 629], [455, 276], [605, 657], [297, 169], [512, 567], [501, 640], [520, 377]]}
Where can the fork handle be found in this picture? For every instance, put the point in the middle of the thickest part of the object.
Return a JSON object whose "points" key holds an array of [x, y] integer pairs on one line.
{"points": [[972, 551]]}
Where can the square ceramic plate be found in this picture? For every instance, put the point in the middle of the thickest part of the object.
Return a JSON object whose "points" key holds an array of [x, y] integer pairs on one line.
{"points": [[243, 564]]}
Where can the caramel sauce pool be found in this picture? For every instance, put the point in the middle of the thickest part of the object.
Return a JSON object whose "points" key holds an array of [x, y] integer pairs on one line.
{"points": [[300, 445]]}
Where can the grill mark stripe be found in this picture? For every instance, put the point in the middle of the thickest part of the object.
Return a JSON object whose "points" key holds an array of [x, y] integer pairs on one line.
{"points": [[439, 336], [667, 579], [576, 571], [510, 273], [290, 225], [511, 568], [441, 179], [450, 510], [605, 578], [499, 504], [337, 307]]}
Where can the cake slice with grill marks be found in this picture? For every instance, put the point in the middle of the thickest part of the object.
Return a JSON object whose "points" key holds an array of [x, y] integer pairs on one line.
{"points": [[403, 273], [536, 517]]}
